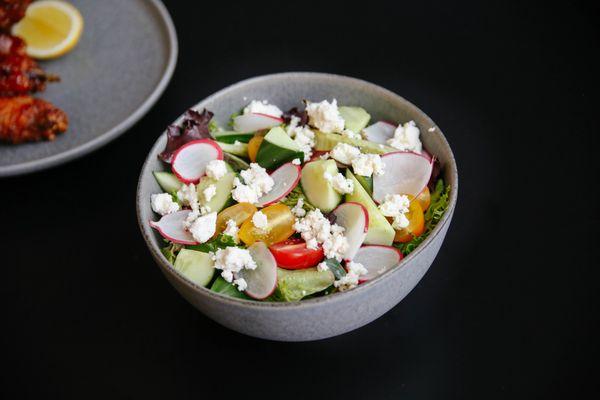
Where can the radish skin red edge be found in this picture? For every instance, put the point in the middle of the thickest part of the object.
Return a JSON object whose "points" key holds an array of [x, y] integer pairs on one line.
{"points": [[376, 264], [286, 178], [170, 227], [190, 160]]}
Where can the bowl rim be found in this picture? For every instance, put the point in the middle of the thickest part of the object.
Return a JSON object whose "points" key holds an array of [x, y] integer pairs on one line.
{"points": [[167, 267]]}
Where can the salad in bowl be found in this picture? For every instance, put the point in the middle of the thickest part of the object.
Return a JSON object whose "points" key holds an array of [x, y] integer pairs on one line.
{"points": [[282, 206]]}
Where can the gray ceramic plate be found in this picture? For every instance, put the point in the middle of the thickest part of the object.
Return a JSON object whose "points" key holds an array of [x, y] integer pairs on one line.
{"points": [[329, 315], [120, 67]]}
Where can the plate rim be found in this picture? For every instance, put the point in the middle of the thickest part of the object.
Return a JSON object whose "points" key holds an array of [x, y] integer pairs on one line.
{"points": [[120, 128]]}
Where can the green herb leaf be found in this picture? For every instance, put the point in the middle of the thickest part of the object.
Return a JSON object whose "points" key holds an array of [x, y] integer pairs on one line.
{"points": [[292, 198], [336, 267], [220, 242], [220, 285], [170, 251]]}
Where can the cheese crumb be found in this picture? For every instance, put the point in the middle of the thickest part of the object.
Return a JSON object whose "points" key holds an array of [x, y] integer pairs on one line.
{"points": [[351, 279], [209, 192], [256, 184], [203, 228], [216, 169], [325, 116], [241, 284], [296, 161], [163, 204], [315, 229], [368, 164], [263, 107], [345, 153], [259, 220], [396, 206], [302, 135], [322, 267], [406, 138], [339, 183], [298, 209], [231, 229], [350, 134], [432, 129], [233, 259]]}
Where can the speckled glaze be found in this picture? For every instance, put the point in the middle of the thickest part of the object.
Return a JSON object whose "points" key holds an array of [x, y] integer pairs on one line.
{"points": [[118, 70], [329, 315]]}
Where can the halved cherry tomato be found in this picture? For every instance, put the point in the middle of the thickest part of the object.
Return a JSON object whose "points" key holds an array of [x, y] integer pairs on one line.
{"points": [[239, 213], [424, 198], [416, 223], [293, 254], [280, 226], [254, 145]]}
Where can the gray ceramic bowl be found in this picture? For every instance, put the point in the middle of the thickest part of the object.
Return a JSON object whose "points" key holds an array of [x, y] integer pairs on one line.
{"points": [[329, 315]]}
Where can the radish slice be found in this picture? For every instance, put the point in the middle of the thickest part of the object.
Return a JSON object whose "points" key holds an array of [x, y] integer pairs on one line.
{"points": [[190, 160], [377, 259], [286, 178], [426, 154], [354, 218], [405, 173], [262, 280], [255, 122], [170, 227], [379, 132]]}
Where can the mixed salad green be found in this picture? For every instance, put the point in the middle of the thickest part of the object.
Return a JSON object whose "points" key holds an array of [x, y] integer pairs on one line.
{"points": [[284, 206]]}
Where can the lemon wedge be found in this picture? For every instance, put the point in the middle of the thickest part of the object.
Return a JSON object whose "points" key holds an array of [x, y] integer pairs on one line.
{"points": [[50, 28]]}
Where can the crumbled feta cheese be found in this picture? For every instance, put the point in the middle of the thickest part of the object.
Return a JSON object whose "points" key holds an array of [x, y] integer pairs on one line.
{"points": [[324, 156], [368, 164], [298, 210], [203, 227], [325, 116], [432, 129], [406, 138], [259, 220], [339, 183], [204, 210], [209, 192], [263, 107], [350, 134], [296, 161], [256, 184], [241, 284], [216, 169], [302, 135], [351, 279], [231, 229], [233, 259], [188, 196], [163, 204], [322, 266], [345, 153], [396, 206], [315, 229]]}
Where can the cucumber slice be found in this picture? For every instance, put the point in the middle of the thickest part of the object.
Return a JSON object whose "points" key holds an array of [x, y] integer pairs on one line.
{"points": [[198, 267], [317, 189], [222, 198], [276, 149], [231, 137], [293, 285], [380, 230], [327, 141], [366, 182], [235, 163], [238, 149], [167, 181], [355, 118]]}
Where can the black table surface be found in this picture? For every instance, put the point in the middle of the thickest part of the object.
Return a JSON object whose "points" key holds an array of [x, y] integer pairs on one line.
{"points": [[507, 308]]}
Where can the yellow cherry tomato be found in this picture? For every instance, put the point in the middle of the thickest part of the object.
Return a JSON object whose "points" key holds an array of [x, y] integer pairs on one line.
{"points": [[280, 226], [253, 146], [424, 198], [416, 223], [239, 213]]}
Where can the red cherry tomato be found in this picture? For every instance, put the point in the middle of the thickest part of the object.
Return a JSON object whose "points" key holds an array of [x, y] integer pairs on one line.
{"points": [[293, 254]]}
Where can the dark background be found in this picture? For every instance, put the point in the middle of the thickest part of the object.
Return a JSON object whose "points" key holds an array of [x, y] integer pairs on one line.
{"points": [[507, 309]]}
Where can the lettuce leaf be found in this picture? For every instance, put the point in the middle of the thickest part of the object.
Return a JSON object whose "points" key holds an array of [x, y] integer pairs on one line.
{"points": [[292, 198], [220, 285], [433, 215]]}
